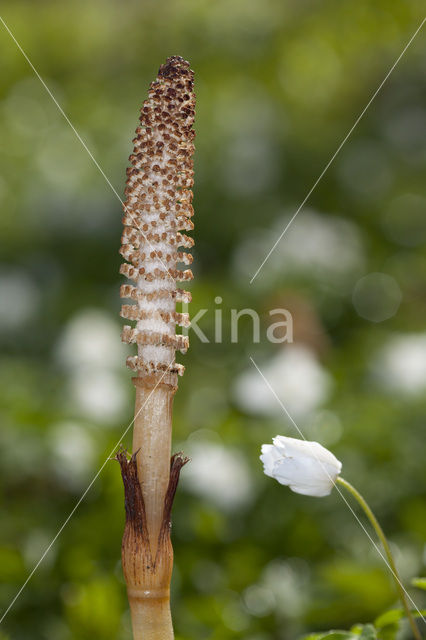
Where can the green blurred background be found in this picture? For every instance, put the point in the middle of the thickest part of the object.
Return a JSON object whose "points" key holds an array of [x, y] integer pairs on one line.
{"points": [[279, 84]]}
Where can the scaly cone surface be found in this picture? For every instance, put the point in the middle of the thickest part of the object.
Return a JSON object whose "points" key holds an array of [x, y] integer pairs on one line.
{"points": [[156, 211]]}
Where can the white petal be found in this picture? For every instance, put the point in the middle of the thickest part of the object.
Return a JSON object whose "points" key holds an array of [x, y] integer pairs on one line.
{"points": [[270, 455], [294, 448], [279, 443], [315, 492], [306, 467], [305, 476]]}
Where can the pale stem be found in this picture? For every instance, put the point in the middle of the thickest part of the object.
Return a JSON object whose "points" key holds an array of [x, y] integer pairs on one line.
{"points": [[378, 529], [147, 553], [151, 618], [152, 435]]}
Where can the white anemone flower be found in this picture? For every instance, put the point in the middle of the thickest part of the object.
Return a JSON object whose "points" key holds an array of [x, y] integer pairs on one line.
{"points": [[309, 468], [306, 467]]}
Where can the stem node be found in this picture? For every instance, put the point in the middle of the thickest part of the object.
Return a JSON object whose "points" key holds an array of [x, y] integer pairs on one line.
{"points": [[147, 575]]}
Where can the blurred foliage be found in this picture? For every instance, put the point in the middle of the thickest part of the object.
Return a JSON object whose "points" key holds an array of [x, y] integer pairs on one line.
{"points": [[279, 84]]}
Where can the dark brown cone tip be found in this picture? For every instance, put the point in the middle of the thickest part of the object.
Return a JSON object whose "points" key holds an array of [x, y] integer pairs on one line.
{"points": [[174, 67]]}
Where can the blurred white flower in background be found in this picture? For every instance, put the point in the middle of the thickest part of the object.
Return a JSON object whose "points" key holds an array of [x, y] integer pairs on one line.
{"points": [[289, 581], [91, 338], [92, 354], [323, 425], [73, 452], [218, 473], [19, 298], [283, 587], [298, 379], [258, 600], [400, 366], [99, 394], [306, 467], [318, 246], [376, 297]]}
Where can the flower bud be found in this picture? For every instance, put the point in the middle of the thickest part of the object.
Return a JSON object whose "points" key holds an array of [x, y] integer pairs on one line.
{"points": [[306, 467]]}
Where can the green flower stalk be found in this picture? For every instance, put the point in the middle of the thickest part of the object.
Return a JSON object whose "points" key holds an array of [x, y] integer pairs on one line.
{"points": [[380, 533]]}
